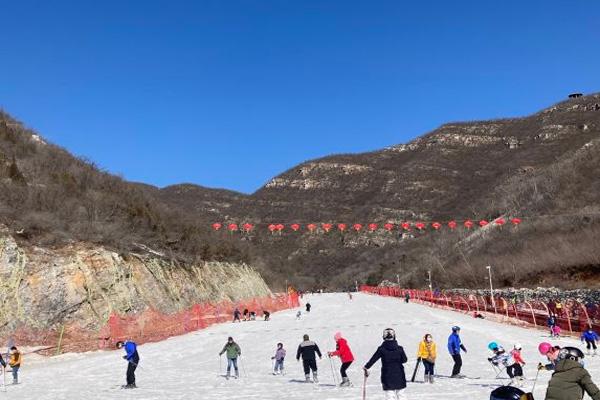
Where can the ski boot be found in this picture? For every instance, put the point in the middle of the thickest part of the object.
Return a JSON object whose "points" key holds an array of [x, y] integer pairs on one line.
{"points": [[315, 379], [129, 386], [307, 378], [345, 382], [431, 378]]}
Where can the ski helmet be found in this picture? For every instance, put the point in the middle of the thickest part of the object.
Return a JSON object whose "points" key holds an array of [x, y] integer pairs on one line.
{"points": [[545, 348], [506, 393], [570, 353], [493, 346], [389, 334], [518, 346], [455, 328], [337, 336]]}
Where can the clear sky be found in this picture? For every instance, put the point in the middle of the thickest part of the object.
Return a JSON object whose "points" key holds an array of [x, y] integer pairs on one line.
{"points": [[230, 93]]}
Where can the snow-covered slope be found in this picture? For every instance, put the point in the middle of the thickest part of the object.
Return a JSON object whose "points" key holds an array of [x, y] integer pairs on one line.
{"points": [[187, 367]]}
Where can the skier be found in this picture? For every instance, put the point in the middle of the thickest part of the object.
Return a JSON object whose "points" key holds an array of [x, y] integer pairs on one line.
{"points": [[15, 363], [350, 296], [393, 379], [308, 350], [267, 315], [252, 316], [551, 321], [427, 354], [454, 347], [499, 357], [407, 297], [233, 352], [245, 314], [590, 338], [551, 353], [556, 331], [279, 357], [133, 359], [236, 315], [515, 369], [343, 351], [570, 380], [308, 306]]}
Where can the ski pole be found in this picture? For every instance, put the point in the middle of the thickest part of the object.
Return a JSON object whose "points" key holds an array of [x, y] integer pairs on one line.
{"points": [[4, 379], [535, 380], [364, 389], [220, 366], [332, 371], [243, 367], [273, 366]]}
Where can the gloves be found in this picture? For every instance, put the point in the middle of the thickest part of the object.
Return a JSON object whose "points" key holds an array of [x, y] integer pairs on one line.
{"points": [[124, 357], [419, 359], [541, 366], [490, 359], [366, 371], [272, 358]]}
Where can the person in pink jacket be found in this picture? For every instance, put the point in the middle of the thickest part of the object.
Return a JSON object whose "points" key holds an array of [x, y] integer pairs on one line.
{"points": [[345, 354]]}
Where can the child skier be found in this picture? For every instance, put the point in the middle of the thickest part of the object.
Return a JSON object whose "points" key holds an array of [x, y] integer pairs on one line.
{"points": [[307, 349], [454, 347], [393, 379], [570, 380], [236, 315], [267, 315], [515, 369], [427, 354], [278, 357], [133, 359], [15, 363], [308, 306], [590, 338], [298, 315], [233, 352], [343, 351], [556, 331]]}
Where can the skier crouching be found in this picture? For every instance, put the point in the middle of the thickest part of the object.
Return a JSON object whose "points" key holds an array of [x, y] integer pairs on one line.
{"points": [[133, 359], [393, 379], [343, 351], [307, 350]]}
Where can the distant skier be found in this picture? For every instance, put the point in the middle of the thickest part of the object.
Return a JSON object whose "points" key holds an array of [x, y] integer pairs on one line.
{"points": [[350, 296], [590, 338], [14, 361], [279, 358], [298, 315], [393, 379], [342, 350], [454, 347], [407, 297], [245, 314], [252, 316], [267, 315], [556, 331], [427, 354], [236, 315], [308, 350], [570, 380], [133, 359], [551, 321], [233, 351], [308, 306]]}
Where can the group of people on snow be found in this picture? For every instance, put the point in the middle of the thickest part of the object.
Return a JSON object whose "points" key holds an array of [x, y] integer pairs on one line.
{"points": [[248, 315]]}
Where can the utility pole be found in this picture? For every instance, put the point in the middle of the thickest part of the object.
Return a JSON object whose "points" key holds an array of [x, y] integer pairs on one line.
{"points": [[430, 285], [489, 268], [398, 279], [356, 285]]}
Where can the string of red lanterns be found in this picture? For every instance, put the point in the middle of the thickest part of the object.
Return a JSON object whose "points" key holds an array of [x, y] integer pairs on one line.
{"points": [[372, 227]]}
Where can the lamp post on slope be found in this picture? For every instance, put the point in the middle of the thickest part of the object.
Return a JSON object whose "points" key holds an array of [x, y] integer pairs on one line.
{"points": [[489, 268]]}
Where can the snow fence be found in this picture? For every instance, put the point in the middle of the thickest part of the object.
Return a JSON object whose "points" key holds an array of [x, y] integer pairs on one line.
{"points": [[572, 316]]}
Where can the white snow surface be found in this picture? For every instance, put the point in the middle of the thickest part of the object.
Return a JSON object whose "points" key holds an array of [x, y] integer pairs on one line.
{"points": [[187, 367]]}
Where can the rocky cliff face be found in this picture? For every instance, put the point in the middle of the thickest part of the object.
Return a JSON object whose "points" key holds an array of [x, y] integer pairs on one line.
{"points": [[83, 284]]}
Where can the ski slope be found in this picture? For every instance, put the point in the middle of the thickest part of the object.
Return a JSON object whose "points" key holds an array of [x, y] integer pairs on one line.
{"points": [[187, 367]]}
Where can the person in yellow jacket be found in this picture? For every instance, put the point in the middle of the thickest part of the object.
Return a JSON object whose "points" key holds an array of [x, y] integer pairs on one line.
{"points": [[15, 363], [427, 354]]}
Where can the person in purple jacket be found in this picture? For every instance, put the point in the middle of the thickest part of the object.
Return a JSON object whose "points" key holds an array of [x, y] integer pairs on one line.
{"points": [[133, 359], [279, 357]]}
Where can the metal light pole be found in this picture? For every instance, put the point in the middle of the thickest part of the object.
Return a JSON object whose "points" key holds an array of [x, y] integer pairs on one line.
{"points": [[430, 285], [489, 268], [356, 285], [398, 279]]}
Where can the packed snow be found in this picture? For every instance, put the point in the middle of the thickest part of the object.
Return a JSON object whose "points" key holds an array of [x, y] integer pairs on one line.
{"points": [[188, 366]]}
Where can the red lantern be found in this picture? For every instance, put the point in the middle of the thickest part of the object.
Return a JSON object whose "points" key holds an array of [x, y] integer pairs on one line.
{"points": [[357, 227], [406, 226], [216, 226], [327, 227], [483, 223], [420, 226], [279, 227], [295, 227], [311, 227], [500, 221], [248, 227], [372, 227], [272, 227], [468, 224], [388, 227], [233, 227], [342, 227], [452, 224], [516, 221], [436, 225]]}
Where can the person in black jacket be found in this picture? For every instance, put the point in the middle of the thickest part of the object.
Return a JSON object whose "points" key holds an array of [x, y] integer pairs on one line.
{"points": [[392, 358], [307, 349]]}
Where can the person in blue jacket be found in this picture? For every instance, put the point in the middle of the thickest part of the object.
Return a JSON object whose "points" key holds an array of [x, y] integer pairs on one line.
{"points": [[133, 359], [454, 348], [590, 338]]}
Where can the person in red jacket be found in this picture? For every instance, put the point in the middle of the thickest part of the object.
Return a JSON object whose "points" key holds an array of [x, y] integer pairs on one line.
{"points": [[345, 354]]}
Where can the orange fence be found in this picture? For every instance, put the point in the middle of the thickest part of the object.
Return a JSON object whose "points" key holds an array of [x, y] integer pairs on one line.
{"points": [[572, 316]]}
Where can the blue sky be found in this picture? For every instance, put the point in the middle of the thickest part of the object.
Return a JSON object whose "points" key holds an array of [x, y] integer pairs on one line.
{"points": [[230, 93]]}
